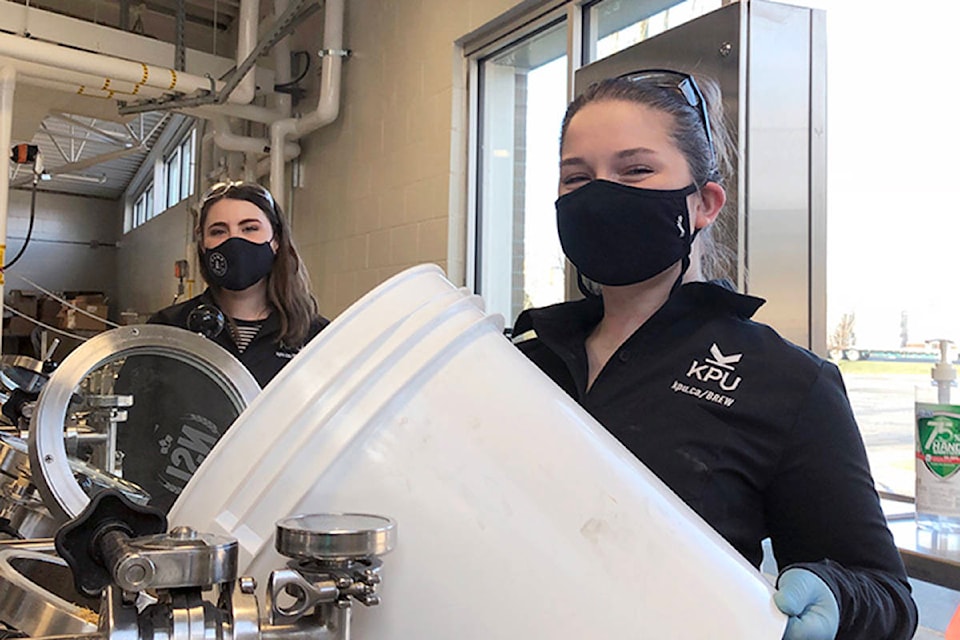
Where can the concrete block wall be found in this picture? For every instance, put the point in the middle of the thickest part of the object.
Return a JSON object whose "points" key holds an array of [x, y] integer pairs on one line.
{"points": [[73, 245], [381, 183], [145, 261]]}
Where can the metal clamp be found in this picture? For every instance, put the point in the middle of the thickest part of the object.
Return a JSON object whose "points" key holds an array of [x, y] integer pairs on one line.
{"points": [[313, 583], [333, 562], [343, 53], [307, 594], [181, 558]]}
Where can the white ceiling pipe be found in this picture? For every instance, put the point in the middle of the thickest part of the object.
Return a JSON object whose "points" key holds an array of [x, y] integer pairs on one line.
{"points": [[78, 89], [251, 112], [328, 104], [281, 64], [250, 167], [240, 108], [114, 69], [8, 82], [291, 150], [66, 87], [75, 82], [205, 159], [248, 20], [226, 139], [234, 165]]}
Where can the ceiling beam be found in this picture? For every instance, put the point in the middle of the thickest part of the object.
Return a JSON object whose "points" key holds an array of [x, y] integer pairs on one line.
{"points": [[107, 136]]}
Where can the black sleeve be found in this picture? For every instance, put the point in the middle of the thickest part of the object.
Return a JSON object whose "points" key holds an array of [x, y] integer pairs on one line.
{"points": [[824, 515], [173, 316]]}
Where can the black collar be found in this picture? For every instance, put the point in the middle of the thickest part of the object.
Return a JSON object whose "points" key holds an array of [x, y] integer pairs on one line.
{"points": [[270, 324], [578, 318]]}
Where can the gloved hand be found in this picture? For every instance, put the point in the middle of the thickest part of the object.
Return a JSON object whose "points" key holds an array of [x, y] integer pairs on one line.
{"points": [[811, 605]]}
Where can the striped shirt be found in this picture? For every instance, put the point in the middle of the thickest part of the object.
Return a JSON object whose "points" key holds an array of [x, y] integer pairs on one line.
{"points": [[244, 331]]}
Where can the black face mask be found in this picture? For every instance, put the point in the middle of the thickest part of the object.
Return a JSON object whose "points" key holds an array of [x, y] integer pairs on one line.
{"points": [[618, 235], [238, 263]]}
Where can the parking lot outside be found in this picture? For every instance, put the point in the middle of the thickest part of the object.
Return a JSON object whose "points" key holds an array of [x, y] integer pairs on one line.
{"points": [[883, 403], [884, 406]]}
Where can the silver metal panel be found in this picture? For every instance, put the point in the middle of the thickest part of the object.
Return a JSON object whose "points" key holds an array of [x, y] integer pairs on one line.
{"points": [[773, 80], [778, 166], [818, 183]]}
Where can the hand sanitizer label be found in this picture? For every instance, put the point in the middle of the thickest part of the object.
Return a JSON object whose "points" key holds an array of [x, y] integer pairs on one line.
{"points": [[938, 438], [938, 461]]}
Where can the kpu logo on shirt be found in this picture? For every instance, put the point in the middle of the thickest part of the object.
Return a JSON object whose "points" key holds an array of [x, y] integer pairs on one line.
{"points": [[718, 368]]}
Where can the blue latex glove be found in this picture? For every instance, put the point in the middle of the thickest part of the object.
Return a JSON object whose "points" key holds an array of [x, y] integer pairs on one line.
{"points": [[813, 610]]}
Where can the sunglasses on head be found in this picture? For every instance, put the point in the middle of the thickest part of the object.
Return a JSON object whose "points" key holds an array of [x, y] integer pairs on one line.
{"points": [[684, 84], [224, 189]]}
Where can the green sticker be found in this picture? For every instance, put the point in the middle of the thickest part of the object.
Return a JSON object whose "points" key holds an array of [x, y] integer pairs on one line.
{"points": [[938, 441]]}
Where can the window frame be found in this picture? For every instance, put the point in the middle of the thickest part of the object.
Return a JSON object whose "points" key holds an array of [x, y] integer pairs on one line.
{"points": [[155, 190], [478, 47], [171, 177]]}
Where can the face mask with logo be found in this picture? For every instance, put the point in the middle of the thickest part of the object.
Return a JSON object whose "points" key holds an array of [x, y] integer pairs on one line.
{"points": [[618, 235], [238, 263]]}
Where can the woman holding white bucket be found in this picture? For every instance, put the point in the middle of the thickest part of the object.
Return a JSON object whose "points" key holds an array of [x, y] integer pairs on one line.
{"points": [[754, 433]]}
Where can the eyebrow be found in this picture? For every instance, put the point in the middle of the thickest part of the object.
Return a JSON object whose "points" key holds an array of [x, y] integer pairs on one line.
{"points": [[221, 223], [626, 153]]}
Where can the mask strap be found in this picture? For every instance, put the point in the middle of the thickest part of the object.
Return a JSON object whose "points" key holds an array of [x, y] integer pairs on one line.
{"points": [[584, 289], [685, 262]]}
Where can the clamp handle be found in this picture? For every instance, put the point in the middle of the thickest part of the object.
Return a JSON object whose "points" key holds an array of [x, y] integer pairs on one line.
{"points": [[92, 543]]}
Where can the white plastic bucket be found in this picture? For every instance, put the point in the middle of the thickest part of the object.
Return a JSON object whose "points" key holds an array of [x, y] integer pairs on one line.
{"points": [[518, 515]]}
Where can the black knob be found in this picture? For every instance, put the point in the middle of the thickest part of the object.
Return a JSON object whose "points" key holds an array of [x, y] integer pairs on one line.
{"points": [[88, 543], [207, 320]]}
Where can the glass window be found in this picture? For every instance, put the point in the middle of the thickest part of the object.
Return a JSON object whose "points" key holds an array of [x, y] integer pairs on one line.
{"points": [[142, 209], [614, 25], [172, 170], [138, 212], [890, 236], [186, 166], [148, 203], [523, 94]]}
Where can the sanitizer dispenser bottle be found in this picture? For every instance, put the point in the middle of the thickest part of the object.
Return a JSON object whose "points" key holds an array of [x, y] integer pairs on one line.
{"points": [[938, 449]]}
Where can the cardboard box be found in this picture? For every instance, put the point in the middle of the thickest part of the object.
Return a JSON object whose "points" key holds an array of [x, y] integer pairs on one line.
{"points": [[73, 319], [49, 310], [26, 302], [88, 298], [131, 317], [20, 326], [94, 303]]}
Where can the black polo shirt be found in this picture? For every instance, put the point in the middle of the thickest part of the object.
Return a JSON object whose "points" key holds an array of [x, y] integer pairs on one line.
{"points": [[753, 432], [179, 413], [264, 356]]}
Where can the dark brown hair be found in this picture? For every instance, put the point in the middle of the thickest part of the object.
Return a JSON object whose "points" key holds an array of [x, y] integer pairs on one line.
{"points": [[719, 240], [288, 285]]}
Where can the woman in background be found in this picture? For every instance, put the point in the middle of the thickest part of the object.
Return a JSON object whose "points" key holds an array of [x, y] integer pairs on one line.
{"points": [[258, 306], [255, 277]]}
